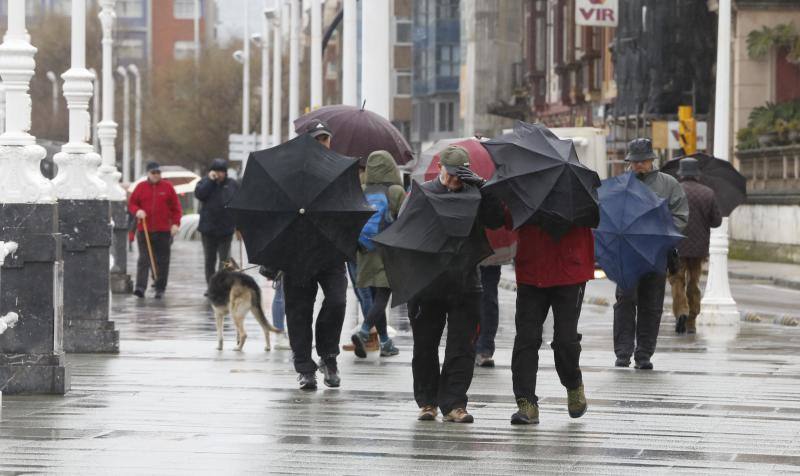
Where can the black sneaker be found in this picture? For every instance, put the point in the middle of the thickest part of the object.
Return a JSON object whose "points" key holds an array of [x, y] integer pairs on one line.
{"points": [[643, 364], [308, 381], [139, 293], [331, 373], [680, 324], [360, 344], [622, 362], [159, 294]]}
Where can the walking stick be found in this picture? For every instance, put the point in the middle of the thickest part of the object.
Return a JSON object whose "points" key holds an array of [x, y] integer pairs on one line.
{"points": [[153, 267]]}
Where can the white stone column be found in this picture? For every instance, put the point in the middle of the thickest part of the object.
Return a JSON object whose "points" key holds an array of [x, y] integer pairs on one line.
{"points": [[95, 109], [718, 306], [246, 73], [265, 44], [294, 64], [376, 56], [277, 77], [349, 52], [107, 128], [316, 54], [126, 124], [137, 125]]}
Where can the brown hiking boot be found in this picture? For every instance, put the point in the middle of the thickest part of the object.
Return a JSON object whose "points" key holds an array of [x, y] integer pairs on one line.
{"points": [[427, 413], [528, 413], [576, 402], [691, 325], [458, 415]]}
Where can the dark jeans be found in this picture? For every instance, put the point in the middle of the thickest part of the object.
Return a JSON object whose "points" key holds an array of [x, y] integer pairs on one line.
{"points": [[377, 314], [214, 246], [490, 313], [299, 297], [161, 242], [532, 306], [364, 295], [637, 316], [446, 388]]}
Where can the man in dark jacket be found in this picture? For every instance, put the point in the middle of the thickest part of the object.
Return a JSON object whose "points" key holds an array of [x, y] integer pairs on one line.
{"points": [[154, 203], [216, 224], [637, 312], [693, 250], [452, 300]]}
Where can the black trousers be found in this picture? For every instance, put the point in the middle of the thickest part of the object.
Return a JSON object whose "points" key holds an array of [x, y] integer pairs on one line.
{"points": [[161, 241], [490, 311], [637, 317], [446, 388], [214, 246], [532, 306], [377, 313], [299, 297]]}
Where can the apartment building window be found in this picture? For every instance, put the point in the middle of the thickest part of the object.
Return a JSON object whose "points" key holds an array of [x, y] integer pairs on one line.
{"points": [[421, 13], [420, 64], [446, 116], [131, 49], [446, 9], [129, 8], [448, 59], [402, 83], [402, 31], [183, 50], [183, 9]]}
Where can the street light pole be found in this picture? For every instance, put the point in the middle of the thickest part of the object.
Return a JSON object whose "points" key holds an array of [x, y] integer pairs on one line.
{"points": [[265, 40], [126, 124], [246, 74], [294, 64], [107, 128], [316, 54], [95, 108], [349, 51], [277, 77], [137, 127], [51, 76], [718, 306]]}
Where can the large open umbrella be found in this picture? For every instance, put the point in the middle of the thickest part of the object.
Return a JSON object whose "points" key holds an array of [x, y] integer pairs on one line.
{"points": [[636, 231], [434, 236], [300, 207], [481, 163], [729, 186], [358, 132], [541, 180]]}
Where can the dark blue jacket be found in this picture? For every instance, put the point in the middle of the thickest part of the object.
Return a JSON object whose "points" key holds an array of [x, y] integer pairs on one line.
{"points": [[215, 219]]}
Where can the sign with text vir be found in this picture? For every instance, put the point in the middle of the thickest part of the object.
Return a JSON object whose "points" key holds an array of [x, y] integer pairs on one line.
{"points": [[596, 12]]}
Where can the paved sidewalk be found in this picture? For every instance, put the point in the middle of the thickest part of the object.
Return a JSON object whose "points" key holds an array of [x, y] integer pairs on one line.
{"points": [[780, 274]]}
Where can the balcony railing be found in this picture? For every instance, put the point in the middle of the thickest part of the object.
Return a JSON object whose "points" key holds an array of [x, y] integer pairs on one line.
{"points": [[771, 170]]}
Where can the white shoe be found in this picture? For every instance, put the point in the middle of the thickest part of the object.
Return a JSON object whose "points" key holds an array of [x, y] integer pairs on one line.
{"points": [[282, 341]]}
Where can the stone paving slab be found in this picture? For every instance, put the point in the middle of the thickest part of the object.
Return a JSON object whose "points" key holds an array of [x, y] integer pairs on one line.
{"points": [[170, 403]]}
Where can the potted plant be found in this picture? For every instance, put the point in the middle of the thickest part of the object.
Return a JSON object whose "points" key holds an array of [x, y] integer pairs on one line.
{"points": [[794, 131]]}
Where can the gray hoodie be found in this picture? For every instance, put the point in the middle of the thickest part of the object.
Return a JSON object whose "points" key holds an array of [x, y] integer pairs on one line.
{"points": [[665, 186]]}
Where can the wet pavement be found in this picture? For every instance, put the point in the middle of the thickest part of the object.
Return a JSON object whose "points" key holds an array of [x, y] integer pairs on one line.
{"points": [[170, 403]]}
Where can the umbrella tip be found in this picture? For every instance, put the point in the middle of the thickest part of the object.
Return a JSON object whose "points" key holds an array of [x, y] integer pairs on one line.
{"points": [[363, 104]]}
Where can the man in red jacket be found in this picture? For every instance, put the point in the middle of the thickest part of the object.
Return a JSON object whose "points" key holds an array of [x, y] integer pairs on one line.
{"points": [[155, 202], [551, 273]]}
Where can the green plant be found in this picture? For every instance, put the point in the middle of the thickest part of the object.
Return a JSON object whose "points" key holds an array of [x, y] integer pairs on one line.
{"points": [[760, 42], [747, 138]]}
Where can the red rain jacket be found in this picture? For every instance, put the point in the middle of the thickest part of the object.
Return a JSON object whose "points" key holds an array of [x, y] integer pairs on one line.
{"points": [[160, 202]]}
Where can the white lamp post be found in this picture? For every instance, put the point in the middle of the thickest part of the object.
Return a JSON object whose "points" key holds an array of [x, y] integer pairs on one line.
{"points": [[265, 43], [246, 74], [95, 108], [51, 76], [294, 64], [126, 124], [137, 124], [316, 54], [349, 51], [107, 128], [718, 306], [277, 77]]}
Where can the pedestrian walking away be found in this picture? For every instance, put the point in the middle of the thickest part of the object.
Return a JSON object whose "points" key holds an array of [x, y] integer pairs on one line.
{"points": [[216, 227], [383, 189], [704, 214], [155, 201], [638, 310], [448, 214]]}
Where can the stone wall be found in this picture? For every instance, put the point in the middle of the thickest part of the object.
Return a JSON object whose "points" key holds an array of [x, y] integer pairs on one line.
{"points": [[766, 232]]}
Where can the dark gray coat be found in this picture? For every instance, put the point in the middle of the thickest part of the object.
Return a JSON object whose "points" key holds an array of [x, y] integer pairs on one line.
{"points": [[703, 215]]}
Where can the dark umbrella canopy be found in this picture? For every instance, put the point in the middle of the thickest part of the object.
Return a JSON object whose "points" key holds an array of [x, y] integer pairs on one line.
{"points": [[541, 180], [433, 236], [300, 207], [729, 186], [358, 132], [636, 231]]}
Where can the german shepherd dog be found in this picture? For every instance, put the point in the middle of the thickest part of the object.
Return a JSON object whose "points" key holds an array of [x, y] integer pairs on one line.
{"points": [[233, 292]]}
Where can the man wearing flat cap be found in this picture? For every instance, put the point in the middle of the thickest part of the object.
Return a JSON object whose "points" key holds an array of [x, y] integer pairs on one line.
{"points": [[637, 312]]}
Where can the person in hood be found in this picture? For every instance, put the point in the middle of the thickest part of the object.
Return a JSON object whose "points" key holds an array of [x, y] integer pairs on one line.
{"points": [[383, 188], [704, 214], [637, 312], [453, 300], [155, 202], [216, 226]]}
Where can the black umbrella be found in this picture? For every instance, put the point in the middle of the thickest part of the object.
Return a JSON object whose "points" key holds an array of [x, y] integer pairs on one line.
{"points": [[729, 186], [434, 235], [300, 207], [358, 132], [541, 180]]}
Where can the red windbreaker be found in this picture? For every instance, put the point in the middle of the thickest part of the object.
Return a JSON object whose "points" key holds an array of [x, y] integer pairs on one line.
{"points": [[159, 201], [544, 262]]}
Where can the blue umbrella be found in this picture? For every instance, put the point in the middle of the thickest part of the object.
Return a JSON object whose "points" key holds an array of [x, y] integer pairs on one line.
{"points": [[636, 231]]}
